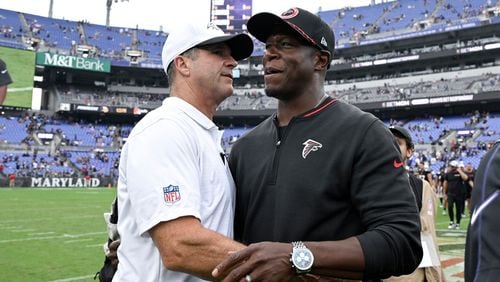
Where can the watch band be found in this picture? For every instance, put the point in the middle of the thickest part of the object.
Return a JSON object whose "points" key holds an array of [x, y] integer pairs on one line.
{"points": [[299, 245]]}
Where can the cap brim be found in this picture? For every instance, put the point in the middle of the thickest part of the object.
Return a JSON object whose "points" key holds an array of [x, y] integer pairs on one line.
{"points": [[261, 26], [402, 133], [241, 45]]}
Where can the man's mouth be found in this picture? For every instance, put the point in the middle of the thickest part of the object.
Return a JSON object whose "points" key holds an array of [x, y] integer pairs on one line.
{"points": [[228, 75], [271, 70]]}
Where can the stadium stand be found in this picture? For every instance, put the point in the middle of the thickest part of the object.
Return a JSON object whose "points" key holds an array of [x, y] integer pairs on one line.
{"points": [[13, 130], [451, 51], [62, 34]]}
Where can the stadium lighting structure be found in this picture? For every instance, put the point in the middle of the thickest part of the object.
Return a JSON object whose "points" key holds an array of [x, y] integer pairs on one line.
{"points": [[108, 9], [51, 5]]}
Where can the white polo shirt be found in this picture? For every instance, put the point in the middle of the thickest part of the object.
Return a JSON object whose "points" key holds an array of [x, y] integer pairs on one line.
{"points": [[170, 167]]}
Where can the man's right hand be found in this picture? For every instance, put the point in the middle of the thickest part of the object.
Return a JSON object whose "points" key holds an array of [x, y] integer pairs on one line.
{"points": [[112, 255]]}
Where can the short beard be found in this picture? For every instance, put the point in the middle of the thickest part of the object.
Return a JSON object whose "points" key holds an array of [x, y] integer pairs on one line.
{"points": [[281, 94]]}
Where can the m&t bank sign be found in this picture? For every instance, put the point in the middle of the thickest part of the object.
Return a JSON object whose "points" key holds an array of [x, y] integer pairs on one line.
{"points": [[65, 61]]}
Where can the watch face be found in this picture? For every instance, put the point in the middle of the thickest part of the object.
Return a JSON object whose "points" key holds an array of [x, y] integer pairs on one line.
{"points": [[302, 259]]}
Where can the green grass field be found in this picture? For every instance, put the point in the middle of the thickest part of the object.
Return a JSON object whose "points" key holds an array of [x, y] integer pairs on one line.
{"points": [[57, 234], [52, 234], [21, 66]]}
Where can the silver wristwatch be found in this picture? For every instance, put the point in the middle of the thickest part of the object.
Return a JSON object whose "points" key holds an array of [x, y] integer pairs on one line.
{"points": [[301, 258]]}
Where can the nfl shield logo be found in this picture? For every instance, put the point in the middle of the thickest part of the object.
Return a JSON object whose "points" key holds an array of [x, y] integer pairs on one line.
{"points": [[171, 194]]}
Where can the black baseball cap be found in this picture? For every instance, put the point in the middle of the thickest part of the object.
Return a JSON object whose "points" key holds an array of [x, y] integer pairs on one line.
{"points": [[402, 132], [305, 24]]}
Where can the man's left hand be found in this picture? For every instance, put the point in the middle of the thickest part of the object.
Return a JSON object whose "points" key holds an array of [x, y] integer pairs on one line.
{"points": [[266, 261]]}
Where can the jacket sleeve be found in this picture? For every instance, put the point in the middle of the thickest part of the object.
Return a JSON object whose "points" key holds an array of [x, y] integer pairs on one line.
{"points": [[382, 194]]}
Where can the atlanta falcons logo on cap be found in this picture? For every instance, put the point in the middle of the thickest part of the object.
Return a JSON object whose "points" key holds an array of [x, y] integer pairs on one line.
{"points": [[310, 145], [290, 13]]}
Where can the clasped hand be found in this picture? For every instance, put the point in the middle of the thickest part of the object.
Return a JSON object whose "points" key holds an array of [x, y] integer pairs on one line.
{"points": [[265, 261]]}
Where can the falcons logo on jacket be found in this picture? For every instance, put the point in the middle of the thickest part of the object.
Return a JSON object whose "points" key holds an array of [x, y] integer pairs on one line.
{"points": [[310, 145]]}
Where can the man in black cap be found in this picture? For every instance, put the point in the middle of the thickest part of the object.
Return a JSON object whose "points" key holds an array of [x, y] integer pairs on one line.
{"points": [[320, 184], [425, 197], [4, 81]]}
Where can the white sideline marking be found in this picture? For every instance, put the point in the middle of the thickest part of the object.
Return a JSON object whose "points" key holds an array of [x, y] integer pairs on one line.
{"points": [[12, 227], [87, 192], [19, 89], [52, 237], [31, 220], [79, 240], [41, 233], [73, 278], [95, 245], [22, 230]]}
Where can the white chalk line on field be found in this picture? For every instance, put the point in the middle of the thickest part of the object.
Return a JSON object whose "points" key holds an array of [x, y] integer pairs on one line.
{"points": [[78, 240], [22, 230], [41, 233], [19, 89], [94, 245], [52, 237], [12, 227], [74, 278], [45, 219]]}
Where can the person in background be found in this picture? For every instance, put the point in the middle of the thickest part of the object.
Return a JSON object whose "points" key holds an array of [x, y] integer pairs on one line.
{"points": [[175, 190], [427, 204], [454, 189], [321, 187], [5, 80], [469, 185], [482, 249], [425, 173], [440, 192], [12, 180]]}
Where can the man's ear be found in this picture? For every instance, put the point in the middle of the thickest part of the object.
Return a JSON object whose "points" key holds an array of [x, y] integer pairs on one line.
{"points": [[323, 60], [409, 153], [182, 64]]}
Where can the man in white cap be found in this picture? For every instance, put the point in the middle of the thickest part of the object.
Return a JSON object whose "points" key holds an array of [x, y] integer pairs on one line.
{"points": [[175, 192]]}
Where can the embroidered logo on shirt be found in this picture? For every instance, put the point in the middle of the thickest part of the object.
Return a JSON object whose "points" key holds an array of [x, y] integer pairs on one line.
{"points": [[310, 145], [397, 164], [171, 194]]}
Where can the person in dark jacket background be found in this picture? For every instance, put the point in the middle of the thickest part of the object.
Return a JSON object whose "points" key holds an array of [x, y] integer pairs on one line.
{"points": [[482, 249]]}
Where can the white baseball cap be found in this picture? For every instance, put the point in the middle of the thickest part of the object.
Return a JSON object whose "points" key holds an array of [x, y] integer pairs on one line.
{"points": [[454, 163], [187, 36]]}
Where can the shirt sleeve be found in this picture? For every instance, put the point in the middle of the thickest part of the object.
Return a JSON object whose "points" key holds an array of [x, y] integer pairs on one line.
{"points": [[162, 181], [382, 194]]}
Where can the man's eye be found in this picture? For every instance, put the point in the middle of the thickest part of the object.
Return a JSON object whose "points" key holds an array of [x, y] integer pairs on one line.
{"points": [[280, 45], [217, 51]]}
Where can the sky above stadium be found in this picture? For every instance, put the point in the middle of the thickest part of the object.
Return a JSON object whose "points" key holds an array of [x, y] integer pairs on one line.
{"points": [[151, 14]]}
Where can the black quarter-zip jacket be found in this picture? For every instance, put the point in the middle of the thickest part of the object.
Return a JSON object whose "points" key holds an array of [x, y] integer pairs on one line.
{"points": [[332, 173], [482, 249]]}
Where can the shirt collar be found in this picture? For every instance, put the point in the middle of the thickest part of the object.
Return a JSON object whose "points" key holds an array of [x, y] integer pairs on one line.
{"points": [[190, 111]]}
